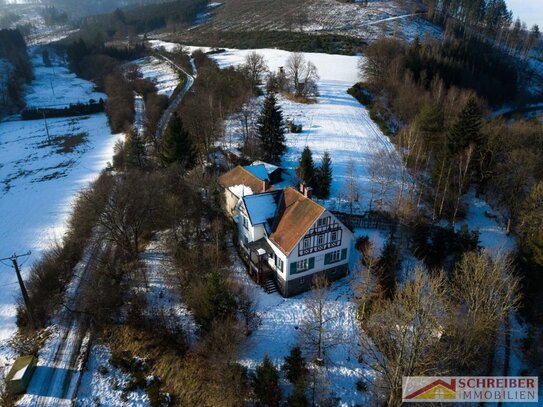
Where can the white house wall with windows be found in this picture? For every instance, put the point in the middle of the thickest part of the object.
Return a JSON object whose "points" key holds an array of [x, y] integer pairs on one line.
{"points": [[290, 238]]}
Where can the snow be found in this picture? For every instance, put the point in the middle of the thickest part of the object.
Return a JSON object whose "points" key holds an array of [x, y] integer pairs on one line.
{"points": [[240, 190], [269, 167], [279, 330], [39, 179], [492, 234], [57, 87], [19, 374], [337, 123], [160, 72], [260, 207], [258, 171], [159, 289], [102, 384]]}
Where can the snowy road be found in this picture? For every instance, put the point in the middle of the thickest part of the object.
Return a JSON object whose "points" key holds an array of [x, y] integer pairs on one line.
{"points": [[139, 115], [60, 362], [165, 119]]}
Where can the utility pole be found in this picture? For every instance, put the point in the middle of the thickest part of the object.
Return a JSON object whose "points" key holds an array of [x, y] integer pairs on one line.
{"points": [[46, 127], [26, 298]]}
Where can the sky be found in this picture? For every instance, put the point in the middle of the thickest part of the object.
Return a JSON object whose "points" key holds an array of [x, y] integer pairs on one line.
{"points": [[529, 11]]}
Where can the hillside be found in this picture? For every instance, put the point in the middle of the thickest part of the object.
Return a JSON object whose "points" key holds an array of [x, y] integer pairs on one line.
{"points": [[238, 22]]}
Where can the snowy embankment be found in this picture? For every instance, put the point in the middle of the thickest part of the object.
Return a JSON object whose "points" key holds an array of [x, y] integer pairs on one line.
{"points": [[40, 176], [160, 72]]}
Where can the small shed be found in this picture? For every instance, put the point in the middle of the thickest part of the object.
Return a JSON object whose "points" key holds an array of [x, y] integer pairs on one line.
{"points": [[21, 372]]}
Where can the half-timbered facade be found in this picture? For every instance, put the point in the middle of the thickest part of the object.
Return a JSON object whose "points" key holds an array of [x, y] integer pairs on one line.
{"points": [[286, 236]]}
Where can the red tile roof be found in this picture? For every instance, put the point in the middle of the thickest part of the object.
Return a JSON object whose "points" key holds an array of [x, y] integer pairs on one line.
{"points": [[297, 214], [240, 176]]}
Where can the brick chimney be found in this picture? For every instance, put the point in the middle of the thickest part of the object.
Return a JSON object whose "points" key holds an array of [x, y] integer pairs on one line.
{"points": [[306, 191]]}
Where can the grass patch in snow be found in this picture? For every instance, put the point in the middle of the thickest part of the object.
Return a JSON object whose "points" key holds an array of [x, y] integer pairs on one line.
{"points": [[65, 144]]}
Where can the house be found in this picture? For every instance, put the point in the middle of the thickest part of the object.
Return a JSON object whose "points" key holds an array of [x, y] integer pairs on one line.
{"points": [[288, 238], [247, 180], [240, 181]]}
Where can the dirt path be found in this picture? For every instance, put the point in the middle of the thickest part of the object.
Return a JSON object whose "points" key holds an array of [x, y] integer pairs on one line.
{"points": [[60, 363]]}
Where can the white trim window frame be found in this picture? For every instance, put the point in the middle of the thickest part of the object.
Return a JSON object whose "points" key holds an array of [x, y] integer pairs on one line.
{"points": [[302, 265]]}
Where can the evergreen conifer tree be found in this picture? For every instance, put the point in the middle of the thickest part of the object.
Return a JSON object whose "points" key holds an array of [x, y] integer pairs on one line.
{"points": [[466, 130], [324, 177], [295, 366], [135, 156], [266, 384], [271, 130], [177, 146], [306, 168]]}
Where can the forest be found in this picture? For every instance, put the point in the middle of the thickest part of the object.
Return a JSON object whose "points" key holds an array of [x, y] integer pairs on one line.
{"points": [[15, 71], [435, 99]]}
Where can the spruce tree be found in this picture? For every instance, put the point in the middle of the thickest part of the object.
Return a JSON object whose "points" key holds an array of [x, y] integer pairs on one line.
{"points": [[134, 151], [324, 177], [177, 145], [295, 366], [266, 384], [306, 167], [466, 130], [271, 130]]}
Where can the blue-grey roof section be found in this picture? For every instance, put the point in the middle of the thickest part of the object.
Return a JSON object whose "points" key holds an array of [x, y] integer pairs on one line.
{"points": [[258, 171], [261, 207]]}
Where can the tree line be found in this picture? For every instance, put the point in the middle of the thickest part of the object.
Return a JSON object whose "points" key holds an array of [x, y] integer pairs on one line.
{"points": [[15, 71], [450, 143], [74, 109], [489, 20]]}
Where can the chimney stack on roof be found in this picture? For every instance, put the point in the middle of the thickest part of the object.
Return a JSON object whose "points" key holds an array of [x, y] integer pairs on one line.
{"points": [[306, 191], [265, 185]]}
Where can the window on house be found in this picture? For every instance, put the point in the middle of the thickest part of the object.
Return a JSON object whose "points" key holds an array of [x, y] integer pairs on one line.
{"points": [[334, 236], [302, 265], [245, 222], [307, 243], [279, 264], [323, 221], [320, 240], [335, 256]]}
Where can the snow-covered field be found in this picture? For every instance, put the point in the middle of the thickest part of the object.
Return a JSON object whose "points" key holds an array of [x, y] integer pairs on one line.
{"points": [[337, 123], [55, 86], [160, 72], [39, 177]]}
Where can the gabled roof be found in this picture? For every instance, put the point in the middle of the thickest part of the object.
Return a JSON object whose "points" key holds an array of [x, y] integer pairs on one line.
{"points": [[239, 176], [296, 214]]}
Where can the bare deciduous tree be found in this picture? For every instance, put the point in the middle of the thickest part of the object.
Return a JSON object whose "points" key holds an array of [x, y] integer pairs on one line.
{"points": [[402, 337], [315, 334], [350, 189], [255, 67], [302, 74]]}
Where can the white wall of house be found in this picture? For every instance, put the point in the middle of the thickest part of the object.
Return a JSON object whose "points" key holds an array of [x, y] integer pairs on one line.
{"points": [[320, 256], [230, 202], [342, 246]]}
